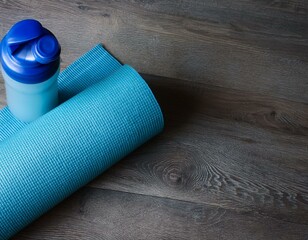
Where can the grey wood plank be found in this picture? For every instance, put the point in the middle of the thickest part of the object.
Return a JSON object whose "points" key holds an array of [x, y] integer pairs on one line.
{"points": [[235, 44], [103, 214], [222, 147], [2, 93], [260, 110]]}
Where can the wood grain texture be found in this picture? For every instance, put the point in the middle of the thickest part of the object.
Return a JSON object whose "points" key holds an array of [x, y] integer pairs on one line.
{"points": [[224, 148], [2, 93], [104, 214], [235, 44], [231, 77]]}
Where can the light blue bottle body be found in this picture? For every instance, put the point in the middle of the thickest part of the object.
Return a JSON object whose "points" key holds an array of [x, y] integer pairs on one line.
{"points": [[28, 102], [30, 63]]}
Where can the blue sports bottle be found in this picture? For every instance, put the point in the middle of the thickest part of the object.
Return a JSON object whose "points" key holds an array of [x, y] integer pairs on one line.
{"points": [[30, 64]]}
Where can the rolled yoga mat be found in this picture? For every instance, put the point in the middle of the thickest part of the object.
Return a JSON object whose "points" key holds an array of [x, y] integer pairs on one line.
{"points": [[44, 162]]}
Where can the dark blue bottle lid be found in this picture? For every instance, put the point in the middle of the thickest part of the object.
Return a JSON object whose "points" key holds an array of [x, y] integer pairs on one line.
{"points": [[29, 52]]}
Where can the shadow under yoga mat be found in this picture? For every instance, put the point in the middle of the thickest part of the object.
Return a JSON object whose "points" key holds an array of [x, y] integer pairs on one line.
{"points": [[44, 162]]}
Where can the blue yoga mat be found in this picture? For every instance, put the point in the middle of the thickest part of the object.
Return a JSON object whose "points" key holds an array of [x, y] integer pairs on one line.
{"points": [[110, 112]]}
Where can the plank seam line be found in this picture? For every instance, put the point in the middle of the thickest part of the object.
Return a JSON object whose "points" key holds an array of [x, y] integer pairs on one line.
{"points": [[238, 210]]}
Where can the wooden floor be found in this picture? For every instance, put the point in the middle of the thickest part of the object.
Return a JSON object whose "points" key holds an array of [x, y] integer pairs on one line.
{"points": [[232, 80]]}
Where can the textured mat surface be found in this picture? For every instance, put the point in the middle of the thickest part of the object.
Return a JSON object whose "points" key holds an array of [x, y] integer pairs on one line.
{"points": [[44, 162]]}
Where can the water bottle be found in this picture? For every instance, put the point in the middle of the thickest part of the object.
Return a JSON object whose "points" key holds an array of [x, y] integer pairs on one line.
{"points": [[30, 63]]}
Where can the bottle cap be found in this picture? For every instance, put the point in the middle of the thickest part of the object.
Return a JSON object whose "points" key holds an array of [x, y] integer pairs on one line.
{"points": [[29, 52]]}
